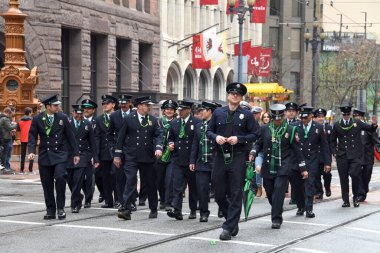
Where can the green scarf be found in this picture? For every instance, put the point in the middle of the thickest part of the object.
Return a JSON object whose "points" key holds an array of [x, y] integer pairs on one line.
{"points": [[48, 124], [344, 128], [182, 133], [106, 122], [166, 125], [204, 143], [277, 133]]}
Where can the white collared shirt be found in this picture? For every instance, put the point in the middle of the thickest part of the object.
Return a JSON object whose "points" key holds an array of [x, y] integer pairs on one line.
{"points": [[89, 119], [186, 120], [141, 116]]}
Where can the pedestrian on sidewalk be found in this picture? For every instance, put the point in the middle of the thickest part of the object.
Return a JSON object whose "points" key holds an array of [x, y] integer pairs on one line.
{"points": [[6, 126], [23, 127]]}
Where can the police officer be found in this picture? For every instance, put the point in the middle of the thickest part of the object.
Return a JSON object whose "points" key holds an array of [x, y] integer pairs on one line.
{"points": [[140, 140], [315, 149], [291, 118], [105, 174], [116, 123], [369, 140], [348, 149], [88, 185], [84, 136], [319, 117], [279, 142], [181, 136], [54, 130], [201, 159], [234, 130], [163, 169]]}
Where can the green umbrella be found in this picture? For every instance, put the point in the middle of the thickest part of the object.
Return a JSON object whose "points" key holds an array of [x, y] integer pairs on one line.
{"points": [[250, 189]]}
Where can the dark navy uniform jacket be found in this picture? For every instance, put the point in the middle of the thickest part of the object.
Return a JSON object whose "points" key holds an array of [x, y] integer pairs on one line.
{"points": [[116, 123], [103, 143], [347, 144], [315, 147], [182, 147], [290, 152], [196, 150], [245, 128], [52, 148], [85, 138], [136, 142], [369, 140], [328, 131]]}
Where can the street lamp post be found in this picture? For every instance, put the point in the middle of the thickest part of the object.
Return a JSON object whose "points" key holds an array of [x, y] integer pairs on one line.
{"points": [[240, 10], [318, 38]]}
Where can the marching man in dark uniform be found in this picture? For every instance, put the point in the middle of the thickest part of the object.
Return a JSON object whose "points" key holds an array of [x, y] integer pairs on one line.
{"points": [[116, 123], [163, 169], [369, 140], [84, 136], [348, 150], [54, 130], [319, 117], [180, 139], [201, 159], [140, 141], [234, 130], [105, 174], [315, 149], [279, 142], [88, 185]]}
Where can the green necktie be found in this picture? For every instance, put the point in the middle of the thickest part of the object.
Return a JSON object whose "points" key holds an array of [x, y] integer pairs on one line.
{"points": [[51, 119], [306, 129], [124, 115], [182, 130], [77, 124]]}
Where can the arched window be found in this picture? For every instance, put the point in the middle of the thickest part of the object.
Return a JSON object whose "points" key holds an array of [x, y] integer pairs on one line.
{"points": [[202, 86], [188, 84]]}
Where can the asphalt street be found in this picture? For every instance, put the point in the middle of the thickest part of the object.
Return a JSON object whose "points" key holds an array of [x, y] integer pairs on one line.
{"points": [[334, 229]]}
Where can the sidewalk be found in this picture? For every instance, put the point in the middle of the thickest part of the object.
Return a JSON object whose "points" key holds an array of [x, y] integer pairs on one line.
{"points": [[16, 167]]}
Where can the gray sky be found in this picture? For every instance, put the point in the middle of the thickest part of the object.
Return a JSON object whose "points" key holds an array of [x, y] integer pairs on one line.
{"points": [[353, 16]]}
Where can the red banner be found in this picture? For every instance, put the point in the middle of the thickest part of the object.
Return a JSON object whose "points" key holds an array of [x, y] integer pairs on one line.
{"points": [[265, 61], [246, 48], [199, 61], [228, 7], [259, 11], [253, 61], [208, 2]]}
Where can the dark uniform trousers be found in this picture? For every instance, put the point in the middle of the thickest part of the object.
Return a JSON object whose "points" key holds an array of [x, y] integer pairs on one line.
{"points": [[364, 179], [203, 179], [120, 180], [180, 174], [99, 179], [148, 175], [75, 178], [106, 174], [88, 184], [164, 183], [352, 168], [231, 176], [327, 176], [48, 175], [275, 188]]}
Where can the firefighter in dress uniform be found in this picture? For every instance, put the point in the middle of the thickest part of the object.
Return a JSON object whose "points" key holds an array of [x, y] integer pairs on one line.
{"points": [[181, 136], [140, 141], [201, 159], [234, 130], [279, 142], [54, 130], [347, 148], [84, 135]]}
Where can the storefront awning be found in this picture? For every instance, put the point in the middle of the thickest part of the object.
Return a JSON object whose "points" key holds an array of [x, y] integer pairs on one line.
{"points": [[261, 89]]}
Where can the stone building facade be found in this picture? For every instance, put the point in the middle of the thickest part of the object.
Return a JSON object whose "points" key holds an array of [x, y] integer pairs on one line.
{"points": [[87, 48]]}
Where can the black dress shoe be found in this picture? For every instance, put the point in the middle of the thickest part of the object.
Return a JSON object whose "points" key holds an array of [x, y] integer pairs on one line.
{"points": [[175, 214], [220, 214], [292, 202], [310, 214], [319, 196], [300, 212], [328, 192], [75, 210], [360, 199], [133, 207], [49, 216], [153, 215], [225, 235], [193, 215], [235, 231], [346, 204], [356, 203], [276, 225], [100, 199], [87, 205], [124, 214], [203, 219], [106, 206], [61, 214]]}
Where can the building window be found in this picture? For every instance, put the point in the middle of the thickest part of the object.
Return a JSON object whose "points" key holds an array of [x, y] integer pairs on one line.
{"points": [[93, 67], [216, 88], [202, 86], [139, 5], [65, 69], [296, 8], [274, 39], [99, 59], [145, 66], [126, 3], [147, 6], [295, 45], [187, 85], [274, 8], [123, 63], [296, 81]]}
